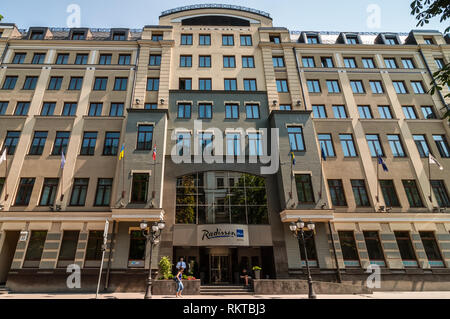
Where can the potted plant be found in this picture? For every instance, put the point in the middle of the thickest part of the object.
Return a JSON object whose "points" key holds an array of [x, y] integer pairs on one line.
{"points": [[257, 271], [165, 268]]}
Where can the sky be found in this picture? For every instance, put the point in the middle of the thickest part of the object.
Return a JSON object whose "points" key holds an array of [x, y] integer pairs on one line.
{"points": [[300, 15]]}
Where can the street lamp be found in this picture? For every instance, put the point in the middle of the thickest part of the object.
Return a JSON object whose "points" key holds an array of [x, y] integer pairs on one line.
{"points": [[298, 230], [151, 236]]}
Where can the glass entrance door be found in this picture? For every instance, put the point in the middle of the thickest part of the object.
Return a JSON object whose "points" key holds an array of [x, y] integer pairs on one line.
{"points": [[220, 269]]}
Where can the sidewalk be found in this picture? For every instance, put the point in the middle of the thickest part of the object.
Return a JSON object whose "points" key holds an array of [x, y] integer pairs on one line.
{"points": [[375, 295]]}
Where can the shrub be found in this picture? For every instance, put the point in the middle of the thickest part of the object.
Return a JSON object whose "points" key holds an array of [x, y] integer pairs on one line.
{"points": [[256, 268], [165, 267]]}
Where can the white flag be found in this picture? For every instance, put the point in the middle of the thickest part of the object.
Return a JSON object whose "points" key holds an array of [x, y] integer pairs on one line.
{"points": [[3, 157], [433, 160]]}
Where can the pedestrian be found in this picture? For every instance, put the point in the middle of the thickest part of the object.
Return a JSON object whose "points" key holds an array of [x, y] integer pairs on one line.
{"points": [[245, 276], [180, 286], [181, 264]]}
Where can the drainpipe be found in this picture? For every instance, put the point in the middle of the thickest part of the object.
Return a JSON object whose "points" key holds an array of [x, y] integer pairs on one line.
{"points": [[338, 270], [299, 77], [111, 247]]}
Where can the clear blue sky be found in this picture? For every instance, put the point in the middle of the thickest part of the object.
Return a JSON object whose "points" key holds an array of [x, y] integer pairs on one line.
{"points": [[319, 15]]}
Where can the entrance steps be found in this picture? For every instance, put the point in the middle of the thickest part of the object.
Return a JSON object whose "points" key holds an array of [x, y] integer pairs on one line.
{"points": [[4, 290], [226, 290]]}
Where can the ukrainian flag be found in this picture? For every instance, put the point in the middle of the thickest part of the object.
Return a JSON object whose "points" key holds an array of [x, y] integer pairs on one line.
{"points": [[122, 152], [293, 158]]}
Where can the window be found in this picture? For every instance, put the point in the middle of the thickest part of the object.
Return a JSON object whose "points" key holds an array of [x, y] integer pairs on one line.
{"points": [[22, 108], [422, 145], [326, 144], [357, 86], [417, 87], [319, 111], [204, 61], [205, 142], [61, 142], [412, 193], [233, 144], [185, 61], [364, 111], [304, 189], [157, 37], [248, 62], [348, 247], [155, 60], [68, 248], [95, 109], [350, 63], [116, 109], [333, 86], [327, 62], [440, 63], [204, 39], [55, 83], [312, 39], [144, 137], [348, 146], [252, 111], [10, 83], [11, 141], [69, 109], [313, 86], [390, 63], [38, 58], [282, 86], [75, 83], [30, 83], [442, 145], [185, 84], [339, 112], [184, 111], [204, 111], [296, 142], [48, 108], [227, 39], [399, 87], [62, 58], [389, 193], [124, 59], [406, 248], [81, 58], [119, 36], [138, 244], [152, 84], [255, 146], [79, 191], [103, 193], [204, 84], [408, 63], [385, 112], [88, 144], [100, 84], [111, 143], [249, 84], [3, 107], [231, 111], [377, 87], [105, 59], [38, 143], [374, 145], [94, 245], [230, 84], [78, 35], [37, 35], [360, 193], [374, 248], [439, 190], [428, 40], [390, 40], [120, 84], [186, 39], [396, 145], [49, 190], [35, 248], [246, 40], [431, 249], [428, 112], [229, 62], [368, 63], [285, 107], [150, 106], [274, 38], [24, 191], [184, 143], [337, 192], [19, 58]]}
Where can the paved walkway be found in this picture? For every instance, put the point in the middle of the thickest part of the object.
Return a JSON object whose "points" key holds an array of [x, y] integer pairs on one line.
{"points": [[375, 295]]}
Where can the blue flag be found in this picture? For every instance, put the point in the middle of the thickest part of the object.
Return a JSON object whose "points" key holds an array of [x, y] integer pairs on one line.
{"points": [[63, 159], [293, 158], [383, 164], [324, 156]]}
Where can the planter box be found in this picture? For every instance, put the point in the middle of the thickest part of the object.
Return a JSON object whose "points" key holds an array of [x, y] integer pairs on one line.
{"points": [[169, 287]]}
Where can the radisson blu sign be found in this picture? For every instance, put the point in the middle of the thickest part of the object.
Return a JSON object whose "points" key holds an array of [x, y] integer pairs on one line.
{"points": [[222, 235]]}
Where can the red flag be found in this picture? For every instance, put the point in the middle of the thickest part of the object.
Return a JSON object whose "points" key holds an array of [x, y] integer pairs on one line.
{"points": [[154, 152]]}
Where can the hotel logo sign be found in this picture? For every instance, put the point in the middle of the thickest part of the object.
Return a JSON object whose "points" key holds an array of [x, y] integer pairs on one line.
{"points": [[222, 235]]}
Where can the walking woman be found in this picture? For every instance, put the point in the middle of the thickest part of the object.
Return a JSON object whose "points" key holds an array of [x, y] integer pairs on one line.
{"points": [[180, 286]]}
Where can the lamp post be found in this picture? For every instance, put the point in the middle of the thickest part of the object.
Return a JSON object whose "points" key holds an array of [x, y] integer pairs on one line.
{"points": [[151, 236], [298, 230]]}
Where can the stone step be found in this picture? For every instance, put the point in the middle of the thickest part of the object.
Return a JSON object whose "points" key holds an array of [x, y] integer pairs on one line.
{"points": [[221, 293], [4, 290], [225, 290]]}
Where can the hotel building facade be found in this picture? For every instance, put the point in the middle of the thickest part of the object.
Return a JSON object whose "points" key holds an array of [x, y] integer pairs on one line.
{"points": [[222, 79]]}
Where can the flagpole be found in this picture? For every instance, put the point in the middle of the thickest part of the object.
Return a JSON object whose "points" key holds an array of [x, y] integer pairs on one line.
{"points": [[321, 175], [123, 175], [378, 181], [429, 175], [6, 174]]}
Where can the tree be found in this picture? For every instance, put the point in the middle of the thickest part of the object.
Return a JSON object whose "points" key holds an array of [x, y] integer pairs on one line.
{"points": [[424, 10]]}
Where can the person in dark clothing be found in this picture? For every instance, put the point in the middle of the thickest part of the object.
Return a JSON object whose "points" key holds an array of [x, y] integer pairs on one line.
{"points": [[245, 276]]}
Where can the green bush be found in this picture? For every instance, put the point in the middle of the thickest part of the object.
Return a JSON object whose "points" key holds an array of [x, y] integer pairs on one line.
{"points": [[256, 268], [165, 267]]}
